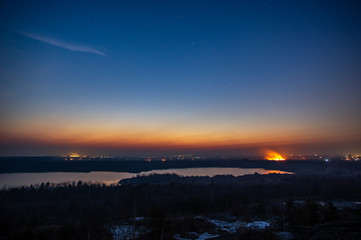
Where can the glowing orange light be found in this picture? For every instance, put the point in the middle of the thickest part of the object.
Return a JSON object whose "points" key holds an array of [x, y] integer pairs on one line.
{"points": [[274, 156], [74, 155], [163, 159]]}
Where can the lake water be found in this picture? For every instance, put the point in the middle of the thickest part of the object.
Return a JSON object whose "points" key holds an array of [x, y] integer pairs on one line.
{"points": [[25, 179]]}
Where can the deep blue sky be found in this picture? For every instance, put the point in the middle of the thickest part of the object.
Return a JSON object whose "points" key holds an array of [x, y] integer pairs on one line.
{"points": [[124, 76]]}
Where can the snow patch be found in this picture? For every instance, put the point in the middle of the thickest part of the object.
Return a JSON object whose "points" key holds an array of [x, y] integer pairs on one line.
{"points": [[126, 232], [258, 225], [202, 236], [231, 227]]}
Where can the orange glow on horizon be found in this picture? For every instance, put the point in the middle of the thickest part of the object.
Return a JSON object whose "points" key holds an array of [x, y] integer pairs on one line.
{"points": [[74, 155], [274, 156], [161, 140], [90, 137]]}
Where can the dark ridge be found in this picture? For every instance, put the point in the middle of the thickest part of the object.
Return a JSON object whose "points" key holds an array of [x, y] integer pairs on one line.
{"points": [[57, 164]]}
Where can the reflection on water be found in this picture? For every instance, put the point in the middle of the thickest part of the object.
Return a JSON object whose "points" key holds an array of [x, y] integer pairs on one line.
{"points": [[23, 179]]}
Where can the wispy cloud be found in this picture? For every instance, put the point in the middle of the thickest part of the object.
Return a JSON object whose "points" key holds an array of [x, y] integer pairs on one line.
{"points": [[69, 46]]}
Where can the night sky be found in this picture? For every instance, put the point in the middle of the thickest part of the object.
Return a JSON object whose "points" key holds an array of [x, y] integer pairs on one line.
{"points": [[169, 77]]}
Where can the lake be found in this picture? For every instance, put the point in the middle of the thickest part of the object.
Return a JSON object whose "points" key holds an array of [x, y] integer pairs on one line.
{"points": [[26, 179]]}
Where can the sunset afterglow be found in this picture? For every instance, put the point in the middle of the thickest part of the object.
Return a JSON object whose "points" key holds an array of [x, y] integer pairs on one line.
{"points": [[178, 78], [180, 119]]}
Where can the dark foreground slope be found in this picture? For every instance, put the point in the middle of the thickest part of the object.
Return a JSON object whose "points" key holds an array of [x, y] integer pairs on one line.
{"points": [[169, 206], [56, 164]]}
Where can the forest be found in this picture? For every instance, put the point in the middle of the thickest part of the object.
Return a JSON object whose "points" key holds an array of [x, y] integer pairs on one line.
{"points": [[169, 204]]}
